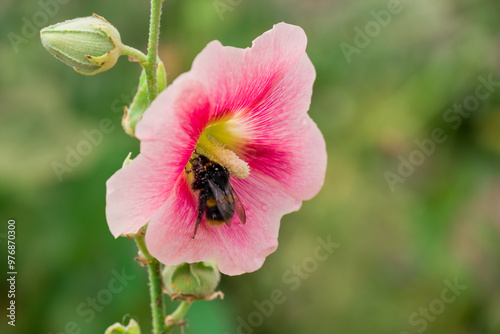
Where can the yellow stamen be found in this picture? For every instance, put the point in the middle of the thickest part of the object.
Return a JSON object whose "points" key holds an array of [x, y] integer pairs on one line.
{"points": [[223, 156]]}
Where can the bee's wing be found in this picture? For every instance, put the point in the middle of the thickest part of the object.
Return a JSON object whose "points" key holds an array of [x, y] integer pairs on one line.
{"points": [[240, 210], [224, 201], [238, 207]]}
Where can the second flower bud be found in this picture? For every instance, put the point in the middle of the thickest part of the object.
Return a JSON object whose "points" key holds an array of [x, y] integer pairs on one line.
{"points": [[192, 281]]}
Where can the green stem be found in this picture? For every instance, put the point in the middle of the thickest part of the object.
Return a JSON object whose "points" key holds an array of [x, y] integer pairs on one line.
{"points": [[177, 315], [154, 34], [149, 62], [157, 302], [134, 53]]}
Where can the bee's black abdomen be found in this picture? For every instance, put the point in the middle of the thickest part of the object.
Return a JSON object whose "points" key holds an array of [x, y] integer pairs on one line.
{"points": [[211, 208]]}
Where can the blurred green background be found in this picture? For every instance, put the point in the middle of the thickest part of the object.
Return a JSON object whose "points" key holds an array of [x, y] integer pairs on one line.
{"points": [[397, 247]]}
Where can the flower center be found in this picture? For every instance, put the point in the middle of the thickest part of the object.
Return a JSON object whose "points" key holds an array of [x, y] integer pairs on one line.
{"points": [[217, 152]]}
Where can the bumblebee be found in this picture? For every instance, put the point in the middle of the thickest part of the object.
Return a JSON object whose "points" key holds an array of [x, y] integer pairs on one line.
{"points": [[217, 200]]}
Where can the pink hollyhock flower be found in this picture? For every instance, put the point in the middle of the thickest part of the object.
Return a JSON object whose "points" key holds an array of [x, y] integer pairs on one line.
{"points": [[246, 110]]}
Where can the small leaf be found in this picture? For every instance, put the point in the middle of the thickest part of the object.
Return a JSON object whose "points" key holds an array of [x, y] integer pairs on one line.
{"points": [[140, 103]]}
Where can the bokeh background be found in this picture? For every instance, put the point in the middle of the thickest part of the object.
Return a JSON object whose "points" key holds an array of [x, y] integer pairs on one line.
{"points": [[398, 246]]}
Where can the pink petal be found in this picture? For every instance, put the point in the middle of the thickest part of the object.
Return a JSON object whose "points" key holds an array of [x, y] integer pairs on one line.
{"points": [[171, 126], [134, 194], [236, 249], [283, 142], [238, 79], [169, 132]]}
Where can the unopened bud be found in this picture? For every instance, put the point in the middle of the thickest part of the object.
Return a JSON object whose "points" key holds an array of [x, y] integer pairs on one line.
{"points": [[132, 328], [88, 44], [192, 281]]}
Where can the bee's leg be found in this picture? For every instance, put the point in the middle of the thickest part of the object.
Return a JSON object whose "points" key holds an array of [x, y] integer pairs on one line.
{"points": [[201, 212], [198, 221]]}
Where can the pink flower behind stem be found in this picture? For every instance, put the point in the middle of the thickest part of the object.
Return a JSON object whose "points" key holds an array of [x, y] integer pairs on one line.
{"points": [[246, 104]]}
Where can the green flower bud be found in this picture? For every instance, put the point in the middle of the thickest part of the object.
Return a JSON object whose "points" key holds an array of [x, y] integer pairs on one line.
{"points": [[132, 328], [192, 281], [89, 44]]}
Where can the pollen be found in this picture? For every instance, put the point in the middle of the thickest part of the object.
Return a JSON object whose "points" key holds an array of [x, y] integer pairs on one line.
{"points": [[224, 157], [211, 202]]}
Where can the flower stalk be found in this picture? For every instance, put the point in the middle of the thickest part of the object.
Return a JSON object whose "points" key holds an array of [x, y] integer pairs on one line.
{"points": [[154, 34], [135, 54], [149, 62], [176, 317], [154, 273]]}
